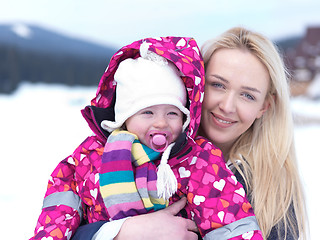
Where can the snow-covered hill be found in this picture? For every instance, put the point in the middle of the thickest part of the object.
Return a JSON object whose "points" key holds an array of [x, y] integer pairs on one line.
{"points": [[39, 39]]}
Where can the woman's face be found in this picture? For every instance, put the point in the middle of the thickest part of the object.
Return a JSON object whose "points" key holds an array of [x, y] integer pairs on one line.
{"points": [[235, 92]]}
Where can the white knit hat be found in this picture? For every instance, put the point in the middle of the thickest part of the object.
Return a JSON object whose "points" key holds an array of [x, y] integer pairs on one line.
{"points": [[143, 82]]}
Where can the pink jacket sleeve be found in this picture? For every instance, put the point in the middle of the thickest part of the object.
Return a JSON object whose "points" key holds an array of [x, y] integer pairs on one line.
{"points": [[61, 212], [217, 201]]}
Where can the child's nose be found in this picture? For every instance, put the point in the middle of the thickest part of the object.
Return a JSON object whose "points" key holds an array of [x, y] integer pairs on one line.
{"points": [[160, 122]]}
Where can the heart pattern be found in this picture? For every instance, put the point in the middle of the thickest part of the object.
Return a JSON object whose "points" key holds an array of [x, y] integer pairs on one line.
{"points": [[240, 191], [208, 178], [221, 216], [184, 173], [181, 43], [219, 184], [94, 193], [198, 199], [248, 235]]}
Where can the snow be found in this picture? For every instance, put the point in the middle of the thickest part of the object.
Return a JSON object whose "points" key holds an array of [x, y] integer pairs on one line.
{"points": [[306, 107], [22, 30], [42, 124], [314, 88]]}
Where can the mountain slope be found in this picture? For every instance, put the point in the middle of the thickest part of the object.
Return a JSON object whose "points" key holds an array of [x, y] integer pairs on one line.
{"points": [[34, 54], [34, 38]]}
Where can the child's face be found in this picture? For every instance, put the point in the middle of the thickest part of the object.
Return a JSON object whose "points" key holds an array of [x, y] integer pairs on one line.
{"points": [[156, 126]]}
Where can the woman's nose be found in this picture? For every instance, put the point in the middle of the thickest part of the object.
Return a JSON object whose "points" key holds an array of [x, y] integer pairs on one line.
{"points": [[228, 103]]}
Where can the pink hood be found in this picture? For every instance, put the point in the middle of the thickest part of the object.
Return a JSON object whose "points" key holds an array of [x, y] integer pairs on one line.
{"points": [[183, 52]]}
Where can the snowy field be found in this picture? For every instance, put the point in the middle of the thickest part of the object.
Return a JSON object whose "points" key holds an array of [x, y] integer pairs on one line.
{"points": [[41, 125]]}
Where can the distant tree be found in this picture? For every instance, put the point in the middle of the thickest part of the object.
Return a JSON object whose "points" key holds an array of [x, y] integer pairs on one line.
{"points": [[21, 65]]}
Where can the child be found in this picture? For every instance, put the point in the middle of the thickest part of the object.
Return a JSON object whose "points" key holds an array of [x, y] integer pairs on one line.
{"points": [[142, 109]]}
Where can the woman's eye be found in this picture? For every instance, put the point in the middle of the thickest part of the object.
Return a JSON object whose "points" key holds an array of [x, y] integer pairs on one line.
{"points": [[248, 96], [216, 85]]}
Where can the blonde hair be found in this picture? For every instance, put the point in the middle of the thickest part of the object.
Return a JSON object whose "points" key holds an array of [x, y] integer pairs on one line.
{"points": [[267, 147]]}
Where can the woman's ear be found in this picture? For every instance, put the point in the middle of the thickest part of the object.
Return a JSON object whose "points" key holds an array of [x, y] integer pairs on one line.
{"points": [[266, 104]]}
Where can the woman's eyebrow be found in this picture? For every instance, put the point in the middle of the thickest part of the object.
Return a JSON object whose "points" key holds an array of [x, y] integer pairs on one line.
{"points": [[243, 87], [251, 89], [220, 78]]}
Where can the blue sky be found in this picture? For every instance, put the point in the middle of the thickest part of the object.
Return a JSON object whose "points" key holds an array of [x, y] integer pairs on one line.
{"points": [[119, 22]]}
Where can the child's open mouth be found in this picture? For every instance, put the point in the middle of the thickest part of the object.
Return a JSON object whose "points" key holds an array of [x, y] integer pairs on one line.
{"points": [[159, 141]]}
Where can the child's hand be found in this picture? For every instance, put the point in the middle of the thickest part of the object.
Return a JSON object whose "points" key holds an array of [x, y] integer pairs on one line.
{"points": [[162, 224]]}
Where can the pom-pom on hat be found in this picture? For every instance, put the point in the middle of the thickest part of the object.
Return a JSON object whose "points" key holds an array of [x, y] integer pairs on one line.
{"points": [[143, 82]]}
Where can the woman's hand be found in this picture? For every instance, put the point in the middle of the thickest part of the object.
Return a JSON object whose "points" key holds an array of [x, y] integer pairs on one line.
{"points": [[162, 224]]}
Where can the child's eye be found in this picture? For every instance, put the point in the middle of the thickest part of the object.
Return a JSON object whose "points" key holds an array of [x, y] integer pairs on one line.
{"points": [[173, 113], [147, 112]]}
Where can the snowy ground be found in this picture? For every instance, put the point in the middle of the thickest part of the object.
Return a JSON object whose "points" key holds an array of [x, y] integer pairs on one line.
{"points": [[41, 125]]}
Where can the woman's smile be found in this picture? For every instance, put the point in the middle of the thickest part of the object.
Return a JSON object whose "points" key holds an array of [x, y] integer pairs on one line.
{"points": [[221, 121]]}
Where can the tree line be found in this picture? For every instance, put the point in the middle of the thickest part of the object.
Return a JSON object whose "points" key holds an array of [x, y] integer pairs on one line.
{"points": [[19, 65]]}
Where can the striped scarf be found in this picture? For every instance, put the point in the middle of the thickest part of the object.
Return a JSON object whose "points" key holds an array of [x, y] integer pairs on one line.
{"points": [[128, 177]]}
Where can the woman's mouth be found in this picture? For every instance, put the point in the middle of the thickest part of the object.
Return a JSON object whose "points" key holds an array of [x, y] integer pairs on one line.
{"points": [[222, 121]]}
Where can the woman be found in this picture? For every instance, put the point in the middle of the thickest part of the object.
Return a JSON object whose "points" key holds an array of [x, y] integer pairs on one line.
{"points": [[246, 114]]}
